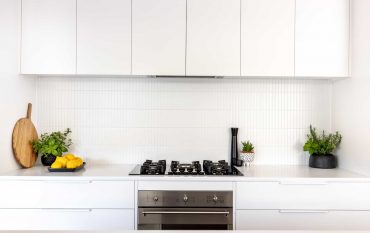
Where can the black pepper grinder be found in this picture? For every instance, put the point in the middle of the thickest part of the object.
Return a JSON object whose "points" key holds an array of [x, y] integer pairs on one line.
{"points": [[234, 160]]}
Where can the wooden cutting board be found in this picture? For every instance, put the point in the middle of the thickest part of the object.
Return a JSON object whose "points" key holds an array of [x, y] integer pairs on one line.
{"points": [[23, 133]]}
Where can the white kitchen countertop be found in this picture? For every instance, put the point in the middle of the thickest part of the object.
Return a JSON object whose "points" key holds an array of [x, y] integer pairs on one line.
{"points": [[253, 173]]}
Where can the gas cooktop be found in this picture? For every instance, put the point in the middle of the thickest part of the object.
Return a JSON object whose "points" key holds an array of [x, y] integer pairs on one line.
{"points": [[195, 168]]}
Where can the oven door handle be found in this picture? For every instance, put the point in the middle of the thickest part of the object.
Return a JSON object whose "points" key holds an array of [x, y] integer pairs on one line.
{"points": [[186, 212]]}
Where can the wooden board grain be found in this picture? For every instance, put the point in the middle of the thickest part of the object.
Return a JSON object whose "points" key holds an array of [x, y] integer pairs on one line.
{"points": [[24, 133]]}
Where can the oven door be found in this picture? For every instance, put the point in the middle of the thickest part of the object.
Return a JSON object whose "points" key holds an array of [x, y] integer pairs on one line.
{"points": [[185, 219]]}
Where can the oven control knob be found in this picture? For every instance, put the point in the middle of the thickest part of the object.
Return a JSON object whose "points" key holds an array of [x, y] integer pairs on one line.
{"points": [[215, 198], [186, 198], [155, 198]]}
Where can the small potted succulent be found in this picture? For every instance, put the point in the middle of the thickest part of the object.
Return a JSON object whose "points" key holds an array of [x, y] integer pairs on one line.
{"points": [[247, 153], [52, 145], [320, 148]]}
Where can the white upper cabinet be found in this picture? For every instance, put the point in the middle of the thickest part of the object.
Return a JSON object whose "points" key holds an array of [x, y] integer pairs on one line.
{"points": [[322, 38], [48, 37], [213, 37], [267, 37], [282, 38], [104, 37], [158, 37]]}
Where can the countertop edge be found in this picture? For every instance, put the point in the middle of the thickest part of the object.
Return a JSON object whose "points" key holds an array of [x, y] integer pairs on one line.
{"points": [[258, 173]]}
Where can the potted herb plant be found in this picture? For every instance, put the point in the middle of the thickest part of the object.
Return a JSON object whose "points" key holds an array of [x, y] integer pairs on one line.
{"points": [[52, 145], [247, 153], [320, 148]]}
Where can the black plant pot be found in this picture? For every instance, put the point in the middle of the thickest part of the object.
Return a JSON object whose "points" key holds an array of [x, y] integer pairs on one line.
{"points": [[323, 161], [48, 160]]}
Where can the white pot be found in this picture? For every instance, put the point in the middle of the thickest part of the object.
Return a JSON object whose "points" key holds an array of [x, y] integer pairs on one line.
{"points": [[247, 157]]}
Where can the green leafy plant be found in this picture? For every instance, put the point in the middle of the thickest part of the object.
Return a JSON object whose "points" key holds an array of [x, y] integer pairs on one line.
{"points": [[247, 147], [321, 144], [55, 143]]}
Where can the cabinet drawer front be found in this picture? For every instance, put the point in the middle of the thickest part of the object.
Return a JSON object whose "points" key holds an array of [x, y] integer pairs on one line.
{"points": [[67, 194], [319, 195], [302, 220], [66, 219]]}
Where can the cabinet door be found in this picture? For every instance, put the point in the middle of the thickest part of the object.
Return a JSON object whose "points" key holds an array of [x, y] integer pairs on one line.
{"points": [[267, 32], [303, 195], [74, 193], [158, 37], [104, 37], [88, 194], [322, 38], [302, 220], [213, 37], [67, 219], [48, 37]]}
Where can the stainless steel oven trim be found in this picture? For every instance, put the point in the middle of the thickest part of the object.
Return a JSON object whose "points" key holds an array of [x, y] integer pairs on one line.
{"points": [[217, 216], [185, 212], [182, 210]]}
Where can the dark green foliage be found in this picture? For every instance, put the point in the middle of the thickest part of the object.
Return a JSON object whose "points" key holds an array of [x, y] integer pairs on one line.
{"points": [[55, 143], [248, 147], [321, 144]]}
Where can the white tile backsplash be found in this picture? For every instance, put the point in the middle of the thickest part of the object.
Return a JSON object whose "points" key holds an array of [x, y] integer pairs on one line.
{"points": [[127, 120]]}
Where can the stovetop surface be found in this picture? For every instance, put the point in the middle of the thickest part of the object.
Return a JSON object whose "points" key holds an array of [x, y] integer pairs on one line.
{"points": [[195, 168]]}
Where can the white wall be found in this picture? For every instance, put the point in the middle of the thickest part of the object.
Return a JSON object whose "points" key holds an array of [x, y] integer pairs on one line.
{"points": [[351, 97], [15, 91], [126, 120]]}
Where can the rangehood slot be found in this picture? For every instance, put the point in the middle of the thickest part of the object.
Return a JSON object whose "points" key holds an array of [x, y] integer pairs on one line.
{"points": [[175, 76]]}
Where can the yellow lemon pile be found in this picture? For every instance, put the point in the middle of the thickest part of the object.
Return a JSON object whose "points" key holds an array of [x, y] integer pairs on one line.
{"points": [[67, 161]]}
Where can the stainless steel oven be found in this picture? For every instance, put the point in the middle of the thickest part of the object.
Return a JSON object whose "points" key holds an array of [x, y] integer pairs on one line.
{"points": [[185, 210]]}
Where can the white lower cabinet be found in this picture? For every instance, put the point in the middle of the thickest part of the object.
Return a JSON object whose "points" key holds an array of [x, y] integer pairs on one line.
{"points": [[302, 205], [67, 194], [302, 220], [67, 205], [67, 219], [317, 195]]}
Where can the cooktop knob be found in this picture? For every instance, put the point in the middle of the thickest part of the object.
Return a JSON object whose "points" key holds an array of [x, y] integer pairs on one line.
{"points": [[215, 198], [186, 198], [155, 198]]}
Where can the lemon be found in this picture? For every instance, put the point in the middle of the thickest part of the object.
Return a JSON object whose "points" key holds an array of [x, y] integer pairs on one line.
{"points": [[69, 156], [56, 164], [79, 161], [72, 164], [62, 160]]}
